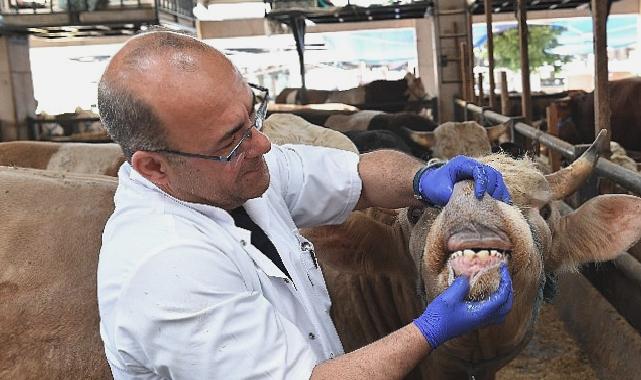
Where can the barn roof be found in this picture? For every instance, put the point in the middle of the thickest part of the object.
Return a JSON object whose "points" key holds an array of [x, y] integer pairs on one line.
{"points": [[407, 9]]}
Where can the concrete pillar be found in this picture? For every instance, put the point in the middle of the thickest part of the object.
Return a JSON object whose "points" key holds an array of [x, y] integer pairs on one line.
{"points": [[16, 87], [426, 54]]}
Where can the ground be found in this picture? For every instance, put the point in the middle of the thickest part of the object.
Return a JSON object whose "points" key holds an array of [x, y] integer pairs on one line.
{"points": [[552, 354]]}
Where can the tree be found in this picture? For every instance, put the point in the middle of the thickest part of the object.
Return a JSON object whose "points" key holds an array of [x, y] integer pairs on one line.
{"points": [[541, 38]]}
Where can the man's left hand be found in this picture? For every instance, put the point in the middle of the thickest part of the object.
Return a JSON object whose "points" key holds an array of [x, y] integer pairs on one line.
{"points": [[436, 185]]}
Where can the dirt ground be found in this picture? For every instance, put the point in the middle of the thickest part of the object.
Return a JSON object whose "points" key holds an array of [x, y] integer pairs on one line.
{"points": [[552, 354]]}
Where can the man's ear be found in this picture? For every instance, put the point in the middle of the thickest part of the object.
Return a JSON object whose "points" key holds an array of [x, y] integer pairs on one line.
{"points": [[599, 230], [151, 165]]}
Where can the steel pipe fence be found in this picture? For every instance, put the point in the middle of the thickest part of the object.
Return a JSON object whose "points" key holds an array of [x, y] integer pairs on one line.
{"points": [[605, 168]]}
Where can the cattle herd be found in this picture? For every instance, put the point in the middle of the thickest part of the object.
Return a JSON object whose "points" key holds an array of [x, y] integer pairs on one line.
{"points": [[381, 266]]}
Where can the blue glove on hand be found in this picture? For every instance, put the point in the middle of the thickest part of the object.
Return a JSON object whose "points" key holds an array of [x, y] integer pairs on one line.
{"points": [[436, 185], [450, 315]]}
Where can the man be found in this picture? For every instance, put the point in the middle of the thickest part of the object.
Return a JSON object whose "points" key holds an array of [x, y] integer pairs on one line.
{"points": [[185, 290]]}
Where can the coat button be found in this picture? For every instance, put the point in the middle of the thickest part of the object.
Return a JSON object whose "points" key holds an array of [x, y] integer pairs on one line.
{"points": [[286, 280], [243, 243], [312, 336]]}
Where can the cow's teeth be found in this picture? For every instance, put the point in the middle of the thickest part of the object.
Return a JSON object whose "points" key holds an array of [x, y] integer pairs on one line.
{"points": [[468, 252], [483, 253]]}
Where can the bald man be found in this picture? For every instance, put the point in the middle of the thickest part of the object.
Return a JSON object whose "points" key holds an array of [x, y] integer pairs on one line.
{"points": [[202, 272]]}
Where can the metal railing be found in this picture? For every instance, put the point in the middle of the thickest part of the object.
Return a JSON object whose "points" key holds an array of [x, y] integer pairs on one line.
{"points": [[605, 168]]}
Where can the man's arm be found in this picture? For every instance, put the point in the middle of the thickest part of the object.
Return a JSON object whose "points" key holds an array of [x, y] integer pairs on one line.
{"points": [[449, 315], [388, 180], [392, 357]]}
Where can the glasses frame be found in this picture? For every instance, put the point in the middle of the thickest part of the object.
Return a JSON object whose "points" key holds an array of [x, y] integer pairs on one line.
{"points": [[259, 118]]}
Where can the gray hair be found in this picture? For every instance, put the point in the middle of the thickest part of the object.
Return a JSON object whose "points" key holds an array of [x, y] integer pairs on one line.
{"points": [[130, 121]]}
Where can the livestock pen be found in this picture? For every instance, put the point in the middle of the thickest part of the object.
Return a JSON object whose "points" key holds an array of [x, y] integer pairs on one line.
{"points": [[603, 296]]}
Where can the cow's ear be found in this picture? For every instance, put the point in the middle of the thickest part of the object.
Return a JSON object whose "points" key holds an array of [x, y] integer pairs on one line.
{"points": [[599, 230]]}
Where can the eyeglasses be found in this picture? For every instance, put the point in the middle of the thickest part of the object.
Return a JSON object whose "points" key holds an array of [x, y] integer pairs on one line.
{"points": [[261, 98]]}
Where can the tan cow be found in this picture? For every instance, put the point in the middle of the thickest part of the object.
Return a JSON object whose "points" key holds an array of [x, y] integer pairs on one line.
{"points": [[48, 258], [373, 266], [459, 138], [292, 129], [64, 157]]}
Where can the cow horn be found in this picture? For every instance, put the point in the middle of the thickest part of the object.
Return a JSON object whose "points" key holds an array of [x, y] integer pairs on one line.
{"points": [[493, 133], [424, 139], [567, 180]]}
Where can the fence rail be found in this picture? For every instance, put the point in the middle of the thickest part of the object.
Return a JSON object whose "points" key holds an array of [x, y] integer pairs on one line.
{"points": [[605, 168]]}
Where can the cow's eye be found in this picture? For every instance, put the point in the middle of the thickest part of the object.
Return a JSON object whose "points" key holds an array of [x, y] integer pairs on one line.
{"points": [[414, 214], [545, 212]]}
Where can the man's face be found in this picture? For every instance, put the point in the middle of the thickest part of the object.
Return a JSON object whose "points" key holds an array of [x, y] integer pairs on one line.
{"points": [[207, 112]]}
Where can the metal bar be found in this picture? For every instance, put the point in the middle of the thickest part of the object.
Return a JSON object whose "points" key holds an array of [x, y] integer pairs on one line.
{"points": [[490, 50], [601, 94], [629, 179], [526, 101]]}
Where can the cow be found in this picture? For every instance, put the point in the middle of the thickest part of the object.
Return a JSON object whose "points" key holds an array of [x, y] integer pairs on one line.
{"points": [[291, 129], [48, 258], [49, 254], [382, 272], [385, 95], [459, 138], [625, 121], [84, 158]]}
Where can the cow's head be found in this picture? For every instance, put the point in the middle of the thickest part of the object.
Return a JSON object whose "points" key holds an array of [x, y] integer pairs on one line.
{"points": [[473, 237], [451, 139], [415, 88]]}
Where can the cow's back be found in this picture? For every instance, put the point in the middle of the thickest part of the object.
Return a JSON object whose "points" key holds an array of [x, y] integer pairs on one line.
{"points": [[82, 158], [50, 228], [625, 121]]}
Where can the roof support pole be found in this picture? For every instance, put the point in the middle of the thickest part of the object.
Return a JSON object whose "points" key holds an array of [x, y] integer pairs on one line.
{"points": [[526, 98], [490, 51], [601, 93]]}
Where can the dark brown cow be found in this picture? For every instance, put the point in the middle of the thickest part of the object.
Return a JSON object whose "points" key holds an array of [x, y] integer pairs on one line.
{"points": [[373, 264], [625, 122]]}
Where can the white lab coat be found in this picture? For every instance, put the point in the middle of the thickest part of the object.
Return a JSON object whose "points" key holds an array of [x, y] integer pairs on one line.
{"points": [[184, 295]]}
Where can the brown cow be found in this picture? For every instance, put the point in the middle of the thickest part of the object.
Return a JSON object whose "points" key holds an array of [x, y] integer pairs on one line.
{"points": [[372, 266], [48, 258], [625, 121], [65, 157], [384, 95]]}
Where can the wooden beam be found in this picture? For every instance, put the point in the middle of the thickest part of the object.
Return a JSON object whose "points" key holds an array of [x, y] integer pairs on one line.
{"points": [[490, 51], [601, 93], [467, 95], [526, 100], [481, 101], [470, 54], [555, 111], [505, 95]]}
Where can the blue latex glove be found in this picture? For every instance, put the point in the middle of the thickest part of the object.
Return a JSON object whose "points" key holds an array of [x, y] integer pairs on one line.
{"points": [[450, 315], [436, 185]]}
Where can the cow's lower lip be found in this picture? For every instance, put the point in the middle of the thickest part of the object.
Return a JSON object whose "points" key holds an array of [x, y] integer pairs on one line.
{"points": [[476, 264]]}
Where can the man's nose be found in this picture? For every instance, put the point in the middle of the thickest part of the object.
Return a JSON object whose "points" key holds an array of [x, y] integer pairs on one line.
{"points": [[258, 144]]}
